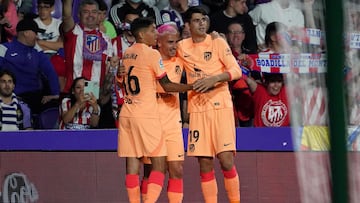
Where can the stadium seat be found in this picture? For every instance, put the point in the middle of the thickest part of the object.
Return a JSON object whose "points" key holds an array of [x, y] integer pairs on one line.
{"points": [[49, 118]]}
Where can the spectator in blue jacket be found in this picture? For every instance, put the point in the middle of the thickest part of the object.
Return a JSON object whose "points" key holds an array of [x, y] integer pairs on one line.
{"points": [[37, 83]]}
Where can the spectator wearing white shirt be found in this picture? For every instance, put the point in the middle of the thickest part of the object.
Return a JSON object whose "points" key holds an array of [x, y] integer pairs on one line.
{"points": [[283, 11]]}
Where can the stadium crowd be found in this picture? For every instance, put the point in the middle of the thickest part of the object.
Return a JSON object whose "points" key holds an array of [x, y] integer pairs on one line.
{"points": [[254, 62], [91, 47]]}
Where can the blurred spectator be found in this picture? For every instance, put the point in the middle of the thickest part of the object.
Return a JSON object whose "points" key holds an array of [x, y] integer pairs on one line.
{"points": [[277, 39], [242, 98], [39, 83], [14, 114], [270, 101], [87, 49], [185, 31], [271, 106], [174, 12], [80, 110], [104, 25], [112, 92], [235, 11], [119, 10], [283, 11], [125, 39], [23, 8], [8, 20], [50, 41], [58, 61], [212, 6]]}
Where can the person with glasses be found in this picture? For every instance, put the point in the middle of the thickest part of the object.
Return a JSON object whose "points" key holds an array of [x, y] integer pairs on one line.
{"points": [[50, 41], [87, 48], [242, 99]]}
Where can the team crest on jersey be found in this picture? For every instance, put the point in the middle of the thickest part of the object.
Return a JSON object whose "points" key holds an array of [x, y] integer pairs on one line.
{"points": [[92, 43], [207, 55], [191, 147], [273, 113], [94, 46], [177, 70]]}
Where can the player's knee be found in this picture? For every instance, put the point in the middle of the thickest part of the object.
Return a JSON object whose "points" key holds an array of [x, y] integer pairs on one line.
{"points": [[226, 165], [176, 170], [206, 164]]}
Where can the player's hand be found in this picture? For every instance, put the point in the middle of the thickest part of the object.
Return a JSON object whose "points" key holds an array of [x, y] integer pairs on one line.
{"points": [[204, 84], [92, 99], [121, 70], [215, 35]]}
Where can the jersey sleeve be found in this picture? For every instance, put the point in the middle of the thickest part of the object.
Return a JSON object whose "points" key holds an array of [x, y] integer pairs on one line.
{"points": [[229, 61], [158, 65]]}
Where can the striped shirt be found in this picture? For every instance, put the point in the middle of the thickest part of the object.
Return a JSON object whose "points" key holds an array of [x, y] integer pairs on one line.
{"points": [[11, 115], [81, 120], [86, 53]]}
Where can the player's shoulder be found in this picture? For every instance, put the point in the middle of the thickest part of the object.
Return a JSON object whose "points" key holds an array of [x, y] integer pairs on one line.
{"points": [[185, 42]]}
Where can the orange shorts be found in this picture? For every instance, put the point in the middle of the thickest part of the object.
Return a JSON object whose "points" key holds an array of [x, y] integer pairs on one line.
{"points": [[211, 132], [140, 137], [172, 132]]}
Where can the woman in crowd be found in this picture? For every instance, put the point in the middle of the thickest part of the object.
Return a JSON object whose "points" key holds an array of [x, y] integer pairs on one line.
{"points": [[80, 110]]}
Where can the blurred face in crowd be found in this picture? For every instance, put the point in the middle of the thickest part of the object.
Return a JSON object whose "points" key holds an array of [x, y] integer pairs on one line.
{"points": [[185, 33], [78, 90], [179, 5], [274, 84], [30, 37], [198, 25], [44, 11], [239, 6], [89, 15], [129, 18], [102, 16], [6, 86], [274, 87], [167, 43], [149, 35], [235, 35]]}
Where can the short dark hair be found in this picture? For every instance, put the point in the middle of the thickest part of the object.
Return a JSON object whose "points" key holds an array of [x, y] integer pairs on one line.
{"points": [[140, 23], [87, 2], [102, 5], [273, 77], [8, 72], [194, 9], [49, 2]]}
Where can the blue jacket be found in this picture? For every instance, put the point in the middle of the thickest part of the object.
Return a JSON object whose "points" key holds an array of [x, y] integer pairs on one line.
{"points": [[28, 65]]}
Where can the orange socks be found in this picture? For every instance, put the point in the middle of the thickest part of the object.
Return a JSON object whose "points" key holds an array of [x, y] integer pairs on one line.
{"points": [[133, 188], [156, 181], [175, 190], [209, 187], [232, 185]]}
